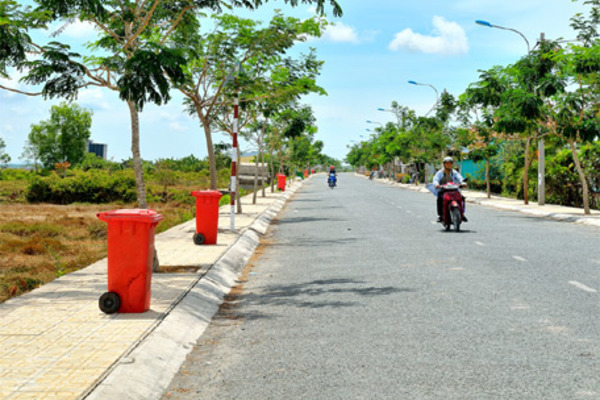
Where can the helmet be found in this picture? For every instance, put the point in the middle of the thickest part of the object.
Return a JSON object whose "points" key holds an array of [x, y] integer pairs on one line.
{"points": [[332, 167], [448, 159]]}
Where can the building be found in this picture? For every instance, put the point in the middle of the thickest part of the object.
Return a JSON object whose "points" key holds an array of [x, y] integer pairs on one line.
{"points": [[101, 150]]}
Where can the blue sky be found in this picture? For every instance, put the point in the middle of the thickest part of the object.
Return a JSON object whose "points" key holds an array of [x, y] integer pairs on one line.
{"points": [[370, 55]]}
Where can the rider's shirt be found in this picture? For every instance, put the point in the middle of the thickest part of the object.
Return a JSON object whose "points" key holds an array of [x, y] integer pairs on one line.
{"points": [[441, 178]]}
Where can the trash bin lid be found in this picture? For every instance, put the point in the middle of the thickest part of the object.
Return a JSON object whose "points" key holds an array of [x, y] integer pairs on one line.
{"points": [[206, 193], [131, 214]]}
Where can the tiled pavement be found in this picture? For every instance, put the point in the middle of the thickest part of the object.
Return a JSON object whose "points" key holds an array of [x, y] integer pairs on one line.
{"points": [[55, 343]]}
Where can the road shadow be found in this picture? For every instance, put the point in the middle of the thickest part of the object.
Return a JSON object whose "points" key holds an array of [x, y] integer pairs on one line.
{"points": [[466, 231], [303, 242], [296, 220], [316, 294]]}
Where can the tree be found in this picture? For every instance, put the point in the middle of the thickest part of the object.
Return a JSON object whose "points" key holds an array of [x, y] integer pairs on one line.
{"points": [[30, 154], [478, 106], [214, 58], [136, 63], [63, 137], [4, 157]]}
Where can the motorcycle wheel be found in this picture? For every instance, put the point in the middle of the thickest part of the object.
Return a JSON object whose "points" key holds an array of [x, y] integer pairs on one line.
{"points": [[455, 215]]}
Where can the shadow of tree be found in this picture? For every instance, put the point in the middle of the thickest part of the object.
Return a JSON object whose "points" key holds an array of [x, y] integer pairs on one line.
{"points": [[318, 291]]}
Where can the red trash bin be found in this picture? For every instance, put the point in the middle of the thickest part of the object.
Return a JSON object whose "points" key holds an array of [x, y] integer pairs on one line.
{"points": [[207, 216], [281, 182], [130, 259], [306, 173]]}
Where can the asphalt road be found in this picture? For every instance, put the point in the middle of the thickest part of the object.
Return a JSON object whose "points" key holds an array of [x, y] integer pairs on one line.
{"points": [[359, 294]]}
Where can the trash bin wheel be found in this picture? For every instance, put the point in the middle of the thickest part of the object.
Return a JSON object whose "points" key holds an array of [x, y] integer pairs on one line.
{"points": [[199, 238], [109, 302]]}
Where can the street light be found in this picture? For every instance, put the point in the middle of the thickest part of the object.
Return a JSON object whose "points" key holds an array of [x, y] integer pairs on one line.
{"points": [[374, 122], [489, 25], [541, 148], [393, 112], [437, 95]]}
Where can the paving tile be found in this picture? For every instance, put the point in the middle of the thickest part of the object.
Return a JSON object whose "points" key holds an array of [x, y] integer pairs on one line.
{"points": [[55, 342]]}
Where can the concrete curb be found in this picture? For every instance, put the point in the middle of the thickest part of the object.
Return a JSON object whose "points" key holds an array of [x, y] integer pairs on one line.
{"points": [[147, 370]]}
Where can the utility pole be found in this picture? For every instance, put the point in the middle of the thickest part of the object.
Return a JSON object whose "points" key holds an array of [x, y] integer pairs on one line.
{"points": [[541, 160]]}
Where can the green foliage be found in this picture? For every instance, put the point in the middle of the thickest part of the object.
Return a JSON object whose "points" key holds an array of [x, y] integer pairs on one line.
{"points": [[563, 185], [14, 174], [15, 20], [58, 71], [481, 185], [90, 187], [186, 164], [92, 161], [4, 157], [62, 137], [147, 74]]}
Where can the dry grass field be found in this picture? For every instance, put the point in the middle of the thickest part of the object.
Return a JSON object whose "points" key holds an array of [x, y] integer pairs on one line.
{"points": [[40, 242]]}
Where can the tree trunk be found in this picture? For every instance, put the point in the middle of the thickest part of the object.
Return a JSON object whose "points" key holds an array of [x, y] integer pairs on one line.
{"points": [[262, 161], [255, 175], [237, 178], [584, 185], [212, 162], [272, 164], [137, 159], [487, 178]]}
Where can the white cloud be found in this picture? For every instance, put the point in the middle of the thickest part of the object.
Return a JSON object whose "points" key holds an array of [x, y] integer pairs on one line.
{"points": [[448, 38], [178, 127], [340, 33]]}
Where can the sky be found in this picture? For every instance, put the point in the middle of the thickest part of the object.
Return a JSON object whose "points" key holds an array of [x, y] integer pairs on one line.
{"points": [[370, 54]]}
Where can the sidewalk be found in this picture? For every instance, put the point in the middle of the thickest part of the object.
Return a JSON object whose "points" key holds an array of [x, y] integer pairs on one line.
{"points": [[55, 343], [561, 213]]}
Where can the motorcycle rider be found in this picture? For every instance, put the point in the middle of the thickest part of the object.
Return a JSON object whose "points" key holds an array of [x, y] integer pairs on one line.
{"points": [[332, 175], [443, 176]]}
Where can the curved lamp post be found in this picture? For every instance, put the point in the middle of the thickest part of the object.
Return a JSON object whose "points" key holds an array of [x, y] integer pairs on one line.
{"points": [[392, 111], [437, 95], [489, 25], [541, 146]]}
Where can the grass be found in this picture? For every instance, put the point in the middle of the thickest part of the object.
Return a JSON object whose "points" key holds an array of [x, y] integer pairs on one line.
{"points": [[41, 242]]}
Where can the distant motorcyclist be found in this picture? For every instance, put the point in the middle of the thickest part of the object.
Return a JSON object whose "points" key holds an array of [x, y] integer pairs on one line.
{"points": [[445, 175], [332, 175]]}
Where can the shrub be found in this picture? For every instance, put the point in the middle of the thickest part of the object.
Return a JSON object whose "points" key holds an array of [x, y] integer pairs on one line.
{"points": [[478, 184], [14, 174], [86, 187]]}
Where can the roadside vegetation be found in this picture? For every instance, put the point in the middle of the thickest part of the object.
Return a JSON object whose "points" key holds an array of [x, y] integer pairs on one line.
{"points": [[550, 96], [143, 51], [48, 224]]}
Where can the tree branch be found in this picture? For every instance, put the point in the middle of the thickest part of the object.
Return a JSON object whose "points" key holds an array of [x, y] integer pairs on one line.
{"points": [[143, 25], [177, 21], [20, 91]]}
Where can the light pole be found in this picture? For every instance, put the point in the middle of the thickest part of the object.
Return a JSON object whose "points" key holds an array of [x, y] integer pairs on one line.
{"points": [[541, 148], [437, 94], [489, 25], [393, 112]]}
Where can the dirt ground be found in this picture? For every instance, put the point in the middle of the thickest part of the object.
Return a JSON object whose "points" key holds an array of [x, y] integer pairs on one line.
{"points": [[41, 242]]}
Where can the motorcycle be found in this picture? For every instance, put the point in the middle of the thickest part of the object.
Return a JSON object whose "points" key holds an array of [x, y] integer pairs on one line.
{"points": [[453, 206], [332, 180]]}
